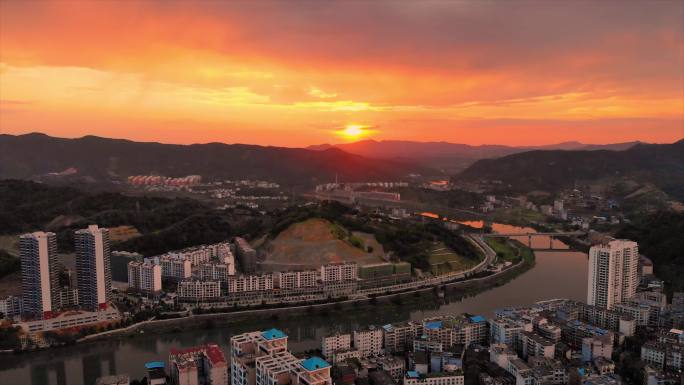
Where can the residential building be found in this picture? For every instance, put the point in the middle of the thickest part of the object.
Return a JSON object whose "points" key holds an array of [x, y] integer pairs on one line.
{"points": [[199, 290], [198, 365], [71, 319], [156, 372], [508, 331], [335, 343], [394, 366], [613, 273], [215, 271], [501, 355], [312, 371], [445, 378], [276, 368], [145, 276], [536, 345], [368, 341], [456, 330], [246, 283], [645, 307], [68, 297], [297, 279], [663, 355], [10, 307], [604, 318], [246, 255], [399, 337], [39, 274], [345, 271], [284, 368], [93, 269], [344, 355], [597, 346], [574, 333], [174, 268], [203, 253]]}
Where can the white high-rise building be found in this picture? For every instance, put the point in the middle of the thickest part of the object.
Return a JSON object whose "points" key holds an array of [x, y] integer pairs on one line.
{"points": [[39, 274], [93, 269], [144, 276], [613, 273]]}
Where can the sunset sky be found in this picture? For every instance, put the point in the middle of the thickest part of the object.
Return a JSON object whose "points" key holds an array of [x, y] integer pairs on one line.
{"points": [[301, 73]]}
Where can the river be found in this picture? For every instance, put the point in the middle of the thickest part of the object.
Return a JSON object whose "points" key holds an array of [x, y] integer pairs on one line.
{"points": [[556, 274]]}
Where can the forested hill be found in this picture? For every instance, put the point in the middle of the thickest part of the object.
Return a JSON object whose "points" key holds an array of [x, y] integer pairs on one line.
{"points": [[165, 224], [27, 156], [660, 164], [661, 238]]}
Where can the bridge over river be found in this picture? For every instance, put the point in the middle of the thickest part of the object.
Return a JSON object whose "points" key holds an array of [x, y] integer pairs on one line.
{"points": [[530, 234]]}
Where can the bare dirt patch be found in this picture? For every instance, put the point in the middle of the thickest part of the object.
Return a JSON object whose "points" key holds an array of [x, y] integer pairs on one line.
{"points": [[316, 242]]}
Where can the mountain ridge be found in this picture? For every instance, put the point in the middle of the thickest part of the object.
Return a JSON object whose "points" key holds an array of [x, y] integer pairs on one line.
{"points": [[452, 157], [660, 164], [25, 156]]}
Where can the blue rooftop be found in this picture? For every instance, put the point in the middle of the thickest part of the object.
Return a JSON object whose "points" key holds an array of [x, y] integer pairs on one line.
{"points": [[433, 325], [273, 334], [314, 363], [478, 318], [155, 365], [412, 374]]}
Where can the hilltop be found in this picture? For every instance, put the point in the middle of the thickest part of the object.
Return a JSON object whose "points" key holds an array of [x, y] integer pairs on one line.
{"points": [[661, 165]]}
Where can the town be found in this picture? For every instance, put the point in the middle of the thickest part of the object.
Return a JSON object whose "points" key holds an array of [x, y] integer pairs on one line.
{"points": [[557, 341]]}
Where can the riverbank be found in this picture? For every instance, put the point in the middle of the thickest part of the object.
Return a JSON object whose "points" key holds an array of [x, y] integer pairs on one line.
{"points": [[350, 308], [81, 364]]}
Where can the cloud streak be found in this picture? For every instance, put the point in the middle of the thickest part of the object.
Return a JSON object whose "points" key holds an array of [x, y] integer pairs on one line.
{"points": [[278, 67]]}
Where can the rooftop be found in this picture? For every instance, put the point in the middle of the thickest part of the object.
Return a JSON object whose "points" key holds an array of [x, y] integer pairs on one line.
{"points": [[155, 365], [273, 334], [314, 363]]}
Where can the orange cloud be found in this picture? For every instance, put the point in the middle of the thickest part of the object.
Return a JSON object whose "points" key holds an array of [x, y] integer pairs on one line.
{"points": [[237, 72]]}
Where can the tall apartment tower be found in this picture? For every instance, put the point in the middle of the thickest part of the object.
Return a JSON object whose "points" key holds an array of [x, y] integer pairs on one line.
{"points": [[93, 269], [613, 273], [39, 274]]}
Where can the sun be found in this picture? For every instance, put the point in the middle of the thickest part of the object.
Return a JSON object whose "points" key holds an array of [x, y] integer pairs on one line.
{"points": [[354, 131]]}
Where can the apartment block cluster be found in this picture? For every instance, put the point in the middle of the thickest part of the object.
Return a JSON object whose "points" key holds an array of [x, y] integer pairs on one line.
{"points": [[331, 280], [227, 274], [204, 364], [263, 358], [551, 342], [663, 352], [45, 304], [203, 263], [427, 352]]}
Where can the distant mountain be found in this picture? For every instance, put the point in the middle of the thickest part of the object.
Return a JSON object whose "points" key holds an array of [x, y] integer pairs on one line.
{"points": [[451, 156], [660, 164], [27, 156]]}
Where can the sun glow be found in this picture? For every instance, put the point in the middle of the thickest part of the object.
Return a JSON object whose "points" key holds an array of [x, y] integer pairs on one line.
{"points": [[354, 131]]}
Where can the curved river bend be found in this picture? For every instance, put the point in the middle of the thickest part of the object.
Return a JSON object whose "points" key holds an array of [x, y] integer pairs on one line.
{"points": [[557, 274]]}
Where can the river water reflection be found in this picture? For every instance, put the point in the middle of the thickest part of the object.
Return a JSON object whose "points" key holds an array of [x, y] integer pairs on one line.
{"points": [[557, 274]]}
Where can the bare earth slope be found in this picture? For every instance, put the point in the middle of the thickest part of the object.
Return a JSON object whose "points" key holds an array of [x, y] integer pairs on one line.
{"points": [[313, 243]]}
